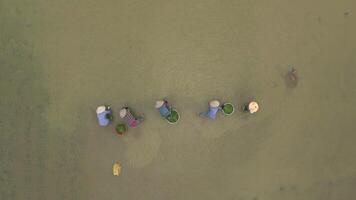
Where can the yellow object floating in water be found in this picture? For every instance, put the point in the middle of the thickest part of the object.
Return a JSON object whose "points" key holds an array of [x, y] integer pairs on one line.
{"points": [[116, 169]]}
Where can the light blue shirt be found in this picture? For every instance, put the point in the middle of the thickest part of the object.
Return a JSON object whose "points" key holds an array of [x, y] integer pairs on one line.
{"points": [[164, 111], [102, 119], [212, 112]]}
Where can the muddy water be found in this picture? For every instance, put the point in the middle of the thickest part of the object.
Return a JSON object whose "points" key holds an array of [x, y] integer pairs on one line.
{"points": [[60, 59]]}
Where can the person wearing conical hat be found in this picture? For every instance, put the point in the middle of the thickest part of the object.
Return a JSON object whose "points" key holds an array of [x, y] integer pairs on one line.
{"points": [[104, 115], [251, 107], [128, 117], [163, 108], [214, 107]]}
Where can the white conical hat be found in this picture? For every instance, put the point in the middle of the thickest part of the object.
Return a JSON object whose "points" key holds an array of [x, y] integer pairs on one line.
{"points": [[123, 112], [253, 107], [100, 109], [214, 103], [159, 104]]}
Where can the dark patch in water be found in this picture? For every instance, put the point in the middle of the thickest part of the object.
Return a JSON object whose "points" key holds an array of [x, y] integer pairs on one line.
{"points": [[281, 189], [291, 78], [320, 20]]}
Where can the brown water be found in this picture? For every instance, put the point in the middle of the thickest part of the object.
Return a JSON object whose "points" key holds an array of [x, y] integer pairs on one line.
{"points": [[60, 59]]}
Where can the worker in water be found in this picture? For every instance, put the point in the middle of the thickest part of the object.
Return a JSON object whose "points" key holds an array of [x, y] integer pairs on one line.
{"points": [[250, 107], [214, 107], [104, 115], [163, 108], [129, 119]]}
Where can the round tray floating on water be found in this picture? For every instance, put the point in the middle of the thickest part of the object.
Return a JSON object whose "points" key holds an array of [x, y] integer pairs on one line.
{"points": [[173, 118], [228, 109]]}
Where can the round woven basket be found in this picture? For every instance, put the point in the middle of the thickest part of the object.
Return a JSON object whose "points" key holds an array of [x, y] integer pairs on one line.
{"points": [[228, 109], [174, 117]]}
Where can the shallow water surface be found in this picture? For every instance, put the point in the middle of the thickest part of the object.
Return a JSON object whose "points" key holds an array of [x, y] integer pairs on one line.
{"points": [[60, 59]]}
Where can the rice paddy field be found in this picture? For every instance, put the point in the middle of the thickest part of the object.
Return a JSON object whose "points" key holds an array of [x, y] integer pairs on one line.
{"points": [[60, 59]]}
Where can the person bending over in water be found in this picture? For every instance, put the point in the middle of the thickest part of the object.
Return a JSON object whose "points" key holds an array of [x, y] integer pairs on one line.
{"points": [[214, 107], [129, 119], [104, 115], [163, 108], [250, 107]]}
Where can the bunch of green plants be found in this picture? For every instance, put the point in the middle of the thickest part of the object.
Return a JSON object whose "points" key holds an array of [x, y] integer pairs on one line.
{"points": [[228, 108], [121, 128], [173, 117]]}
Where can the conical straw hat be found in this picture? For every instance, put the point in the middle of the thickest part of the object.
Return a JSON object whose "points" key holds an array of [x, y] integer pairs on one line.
{"points": [[214, 103], [100, 109], [159, 104], [253, 107], [123, 113]]}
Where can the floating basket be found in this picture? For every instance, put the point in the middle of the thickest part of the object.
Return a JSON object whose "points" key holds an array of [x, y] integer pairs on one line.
{"points": [[228, 109], [120, 129], [173, 118]]}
